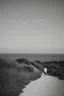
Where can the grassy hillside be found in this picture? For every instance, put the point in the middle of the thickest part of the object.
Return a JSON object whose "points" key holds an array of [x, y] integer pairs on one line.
{"points": [[55, 68], [14, 75]]}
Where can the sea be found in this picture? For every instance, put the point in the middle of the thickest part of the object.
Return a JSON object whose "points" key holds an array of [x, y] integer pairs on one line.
{"points": [[40, 57]]}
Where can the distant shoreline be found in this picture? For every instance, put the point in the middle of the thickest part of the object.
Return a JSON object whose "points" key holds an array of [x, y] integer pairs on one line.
{"points": [[36, 53]]}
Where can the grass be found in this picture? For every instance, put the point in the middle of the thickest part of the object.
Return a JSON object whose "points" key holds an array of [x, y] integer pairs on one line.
{"points": [[55, 68], [14, 77]]}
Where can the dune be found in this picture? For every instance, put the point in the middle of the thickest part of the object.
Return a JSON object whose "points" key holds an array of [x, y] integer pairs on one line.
{"points": [[25, 78]]}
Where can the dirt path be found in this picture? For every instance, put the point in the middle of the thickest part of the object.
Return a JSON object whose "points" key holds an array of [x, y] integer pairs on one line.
{"points": [[45, 86]]}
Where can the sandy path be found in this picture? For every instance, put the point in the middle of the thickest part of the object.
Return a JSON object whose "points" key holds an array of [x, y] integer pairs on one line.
{"points": [[45, 86]]}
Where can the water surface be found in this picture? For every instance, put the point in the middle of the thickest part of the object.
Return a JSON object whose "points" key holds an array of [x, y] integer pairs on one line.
{"points": [[42, 57]]}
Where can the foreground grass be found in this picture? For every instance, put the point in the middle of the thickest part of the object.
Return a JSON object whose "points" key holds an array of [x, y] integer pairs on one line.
{"points": [[14, 77]]}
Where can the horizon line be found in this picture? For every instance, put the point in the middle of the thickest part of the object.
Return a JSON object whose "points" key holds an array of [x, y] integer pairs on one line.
{"points": [[30, 53]]}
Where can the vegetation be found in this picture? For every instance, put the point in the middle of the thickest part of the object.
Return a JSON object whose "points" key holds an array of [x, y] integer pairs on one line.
{"points": [[55, 68], [23, 60], [14, 75]]}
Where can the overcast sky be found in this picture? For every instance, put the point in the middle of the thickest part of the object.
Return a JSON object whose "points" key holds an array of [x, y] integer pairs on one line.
{"points": [[32, 26]]}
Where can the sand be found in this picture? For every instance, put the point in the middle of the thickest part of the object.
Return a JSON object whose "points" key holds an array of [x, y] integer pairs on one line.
{"points": [[44, 86]]}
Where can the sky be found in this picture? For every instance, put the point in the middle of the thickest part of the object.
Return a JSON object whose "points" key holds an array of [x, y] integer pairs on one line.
{"points": [[31, 26]]}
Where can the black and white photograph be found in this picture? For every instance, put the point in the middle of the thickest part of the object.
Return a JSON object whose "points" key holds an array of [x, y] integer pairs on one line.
{"points": [[31, 47]]}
